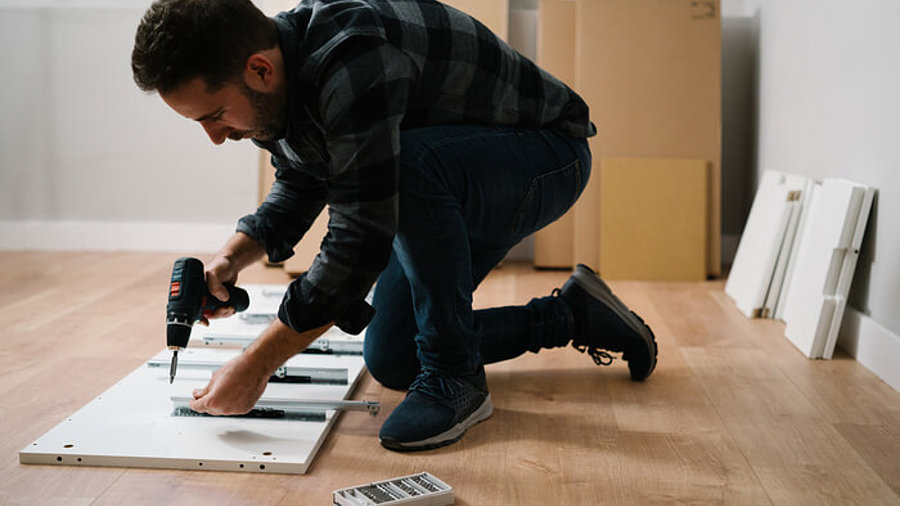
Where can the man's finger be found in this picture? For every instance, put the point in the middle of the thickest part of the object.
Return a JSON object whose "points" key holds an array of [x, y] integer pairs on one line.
{"points": [[223, 312], [216, 288], [199, 405]]}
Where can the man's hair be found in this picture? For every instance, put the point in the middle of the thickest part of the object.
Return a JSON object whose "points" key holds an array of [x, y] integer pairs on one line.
{"points": [[179, 40]]}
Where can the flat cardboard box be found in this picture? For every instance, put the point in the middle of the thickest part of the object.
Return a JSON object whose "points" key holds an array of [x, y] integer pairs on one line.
{"points": [[653, 218]]}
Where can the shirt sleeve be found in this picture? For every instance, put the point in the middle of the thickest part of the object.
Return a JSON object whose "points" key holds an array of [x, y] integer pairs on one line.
{"points": [[293, 203], [364, 91]]}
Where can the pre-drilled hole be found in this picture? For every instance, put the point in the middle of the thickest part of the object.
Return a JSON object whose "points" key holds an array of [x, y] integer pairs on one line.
{"points": [[68, 446], [262, 466], [59, 459], [267, 453]]}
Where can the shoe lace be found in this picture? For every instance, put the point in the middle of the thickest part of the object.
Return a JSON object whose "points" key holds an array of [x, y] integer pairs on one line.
{"points": [[600, 357], [438, 386]]}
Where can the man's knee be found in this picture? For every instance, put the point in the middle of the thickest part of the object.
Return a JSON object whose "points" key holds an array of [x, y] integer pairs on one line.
{"points": [[388, 366]]}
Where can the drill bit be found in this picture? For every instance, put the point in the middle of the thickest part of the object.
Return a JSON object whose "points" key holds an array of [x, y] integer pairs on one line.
{"points": [[173, 366]]}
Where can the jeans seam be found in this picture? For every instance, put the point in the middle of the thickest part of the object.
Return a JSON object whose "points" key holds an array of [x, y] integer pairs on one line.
{"points": [[532, 189]]}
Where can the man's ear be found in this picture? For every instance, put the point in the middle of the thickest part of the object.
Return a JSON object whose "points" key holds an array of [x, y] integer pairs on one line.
{"points": [[259, 73]]}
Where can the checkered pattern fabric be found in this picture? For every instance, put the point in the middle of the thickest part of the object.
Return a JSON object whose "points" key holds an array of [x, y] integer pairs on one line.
{"points": [[360, 71]]}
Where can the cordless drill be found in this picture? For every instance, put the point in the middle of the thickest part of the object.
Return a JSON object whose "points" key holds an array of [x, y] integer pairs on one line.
{"points": [[189, 300]]}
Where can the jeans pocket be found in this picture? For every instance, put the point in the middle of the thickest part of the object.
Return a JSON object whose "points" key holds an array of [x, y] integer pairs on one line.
{"points": [[548, 197]]}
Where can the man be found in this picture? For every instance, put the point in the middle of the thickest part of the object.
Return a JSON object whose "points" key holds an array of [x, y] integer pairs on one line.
{"points": [[436, 148]]}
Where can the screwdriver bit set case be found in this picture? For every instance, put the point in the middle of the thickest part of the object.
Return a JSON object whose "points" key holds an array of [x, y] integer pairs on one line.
{"points": [[422, 489]]}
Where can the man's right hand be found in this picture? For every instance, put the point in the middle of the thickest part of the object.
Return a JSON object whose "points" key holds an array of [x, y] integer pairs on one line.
{"points": [[239, 252]]}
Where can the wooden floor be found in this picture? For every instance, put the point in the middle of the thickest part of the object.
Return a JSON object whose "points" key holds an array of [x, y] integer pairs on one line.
{"points": [[732, 415]]}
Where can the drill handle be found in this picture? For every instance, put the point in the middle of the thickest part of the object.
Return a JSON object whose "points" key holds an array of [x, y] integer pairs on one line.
{"points": [[237, 297]]}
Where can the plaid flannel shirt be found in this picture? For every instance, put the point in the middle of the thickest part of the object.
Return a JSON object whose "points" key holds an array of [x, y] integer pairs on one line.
{"points": [[358, 72]]}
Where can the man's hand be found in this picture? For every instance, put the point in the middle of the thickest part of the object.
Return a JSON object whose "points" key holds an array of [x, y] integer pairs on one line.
{"points": [[239, 252], [219, 271], [235, 388]]}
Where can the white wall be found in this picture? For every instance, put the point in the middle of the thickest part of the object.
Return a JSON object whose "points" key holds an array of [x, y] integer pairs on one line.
{"points": [[828, 106], [86, 157]]}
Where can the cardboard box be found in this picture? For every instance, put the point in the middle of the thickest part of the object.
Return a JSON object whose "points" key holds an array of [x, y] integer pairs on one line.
{"points": [[653, 218], [650, 72], [554, 245]]}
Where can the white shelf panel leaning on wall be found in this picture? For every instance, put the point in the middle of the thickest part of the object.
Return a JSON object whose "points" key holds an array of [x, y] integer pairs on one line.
{"points": [[762, 256], [827, 253], [798, 254]]}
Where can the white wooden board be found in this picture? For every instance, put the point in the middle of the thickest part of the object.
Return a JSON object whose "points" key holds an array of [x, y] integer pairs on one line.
{"points": [[799, 187], [751, 276], [319, 368], [132, 425], [805, 203], [826, 259]]}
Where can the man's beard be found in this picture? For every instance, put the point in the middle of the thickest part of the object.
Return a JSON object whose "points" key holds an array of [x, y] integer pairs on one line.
{"points": [[270, 115]]}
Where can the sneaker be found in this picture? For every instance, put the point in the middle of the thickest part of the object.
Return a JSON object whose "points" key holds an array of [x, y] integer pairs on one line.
{"points": [[437, 411], [603, 322]]}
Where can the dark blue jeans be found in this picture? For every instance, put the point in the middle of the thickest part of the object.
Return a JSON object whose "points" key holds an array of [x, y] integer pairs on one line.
{"points": [[467, 195]]}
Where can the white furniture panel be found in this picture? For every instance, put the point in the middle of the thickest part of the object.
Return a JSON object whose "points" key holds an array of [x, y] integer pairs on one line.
{"points": [[826, 259], [762, 244], [133, 424], [136, 424]]}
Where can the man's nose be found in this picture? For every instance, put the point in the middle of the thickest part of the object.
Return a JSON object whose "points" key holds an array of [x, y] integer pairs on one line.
{"points": [[217, 134]]}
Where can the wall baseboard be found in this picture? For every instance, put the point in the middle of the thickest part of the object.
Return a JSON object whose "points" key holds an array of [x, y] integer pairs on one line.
{"points": [[113, 236], [872, 345]]}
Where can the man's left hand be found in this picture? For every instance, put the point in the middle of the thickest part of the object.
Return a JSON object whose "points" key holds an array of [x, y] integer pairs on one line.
{"points": [[233, 389]]}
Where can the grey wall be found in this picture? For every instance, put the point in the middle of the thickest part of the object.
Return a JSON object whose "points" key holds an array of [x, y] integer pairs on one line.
{"points": [[79, 141]]}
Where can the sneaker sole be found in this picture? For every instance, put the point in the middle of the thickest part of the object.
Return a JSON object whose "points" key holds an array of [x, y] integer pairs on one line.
{"points": [[596, 287], [452, 435]]}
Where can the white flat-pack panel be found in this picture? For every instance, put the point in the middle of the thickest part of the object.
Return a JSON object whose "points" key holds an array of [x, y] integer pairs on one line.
{"points": [[799, 188], [315, 366], [240, 335], [848, 268], [757, 254], [808, 190], [133, 424], [826, 257]]}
